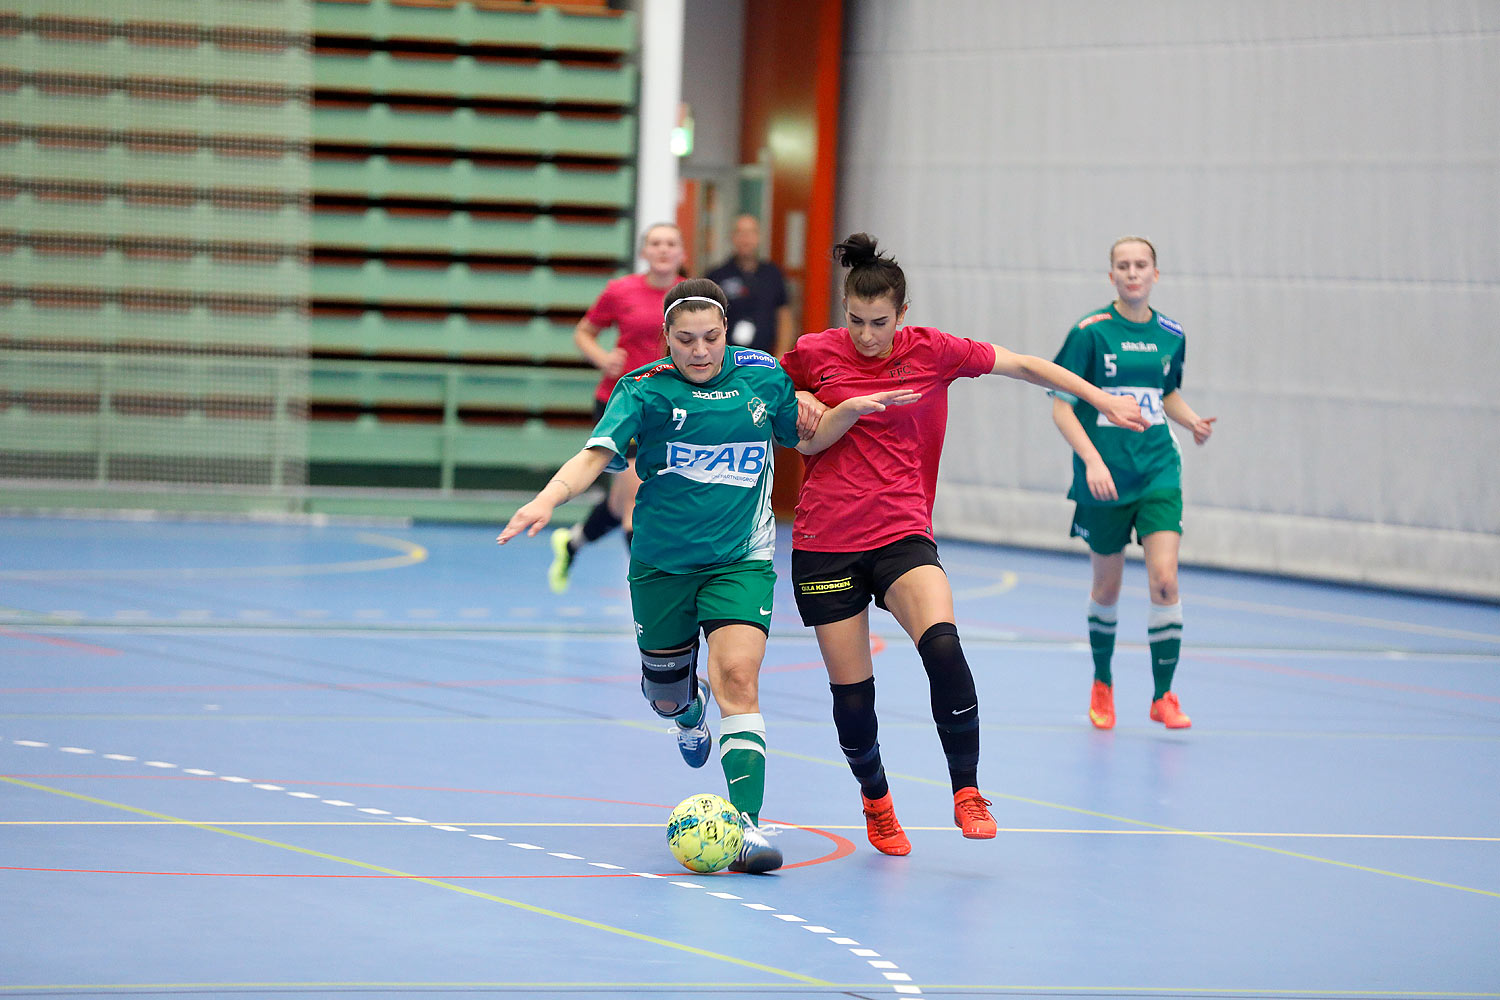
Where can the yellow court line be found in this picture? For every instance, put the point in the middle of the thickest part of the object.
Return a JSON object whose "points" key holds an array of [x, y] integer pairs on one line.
{"points": [[1007, 583], [1220, 838], [1258, 847], [1230, 991], [837, 989], [529, 908], [410, 554], [391, 985], [590, 825]]}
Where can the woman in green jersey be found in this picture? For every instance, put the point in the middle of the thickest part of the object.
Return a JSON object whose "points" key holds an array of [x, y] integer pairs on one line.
{"points": [[705, 421], [1130, 482]]}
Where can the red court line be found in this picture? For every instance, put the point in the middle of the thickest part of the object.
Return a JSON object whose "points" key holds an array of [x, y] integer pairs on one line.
{"points": [[843, 847], [1279, 668], [877, 646], [373, 685], [52, 640], [339, 784]]}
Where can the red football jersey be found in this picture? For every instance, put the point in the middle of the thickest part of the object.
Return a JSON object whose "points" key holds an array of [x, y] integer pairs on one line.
{"points": [[634, 307], [876, 483]]}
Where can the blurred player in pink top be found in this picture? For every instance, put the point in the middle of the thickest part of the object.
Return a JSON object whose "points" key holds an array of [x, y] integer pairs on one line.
{"points": [[864, 521], [633, 305]]}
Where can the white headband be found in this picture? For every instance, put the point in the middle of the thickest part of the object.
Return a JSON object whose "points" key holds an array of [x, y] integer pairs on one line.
{"points": [[695, 298]]}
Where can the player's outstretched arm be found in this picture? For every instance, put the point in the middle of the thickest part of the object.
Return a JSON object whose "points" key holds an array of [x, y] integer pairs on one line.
{"points": [[576, 475], [839, 419], [810, 410], [1101, 482], [1122, 411], [1180, 412]]}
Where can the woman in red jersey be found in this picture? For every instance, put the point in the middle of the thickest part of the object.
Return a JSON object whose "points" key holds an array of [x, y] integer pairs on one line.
{"points": [[864, 521], [633, 305]]}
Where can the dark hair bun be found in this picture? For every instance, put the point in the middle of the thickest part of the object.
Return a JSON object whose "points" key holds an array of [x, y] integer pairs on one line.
{"points": [[856, 250]]}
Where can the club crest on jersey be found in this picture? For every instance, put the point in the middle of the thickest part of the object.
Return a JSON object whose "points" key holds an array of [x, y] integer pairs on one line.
{"points": [[734, 463], [757, 408], [759, 359]]}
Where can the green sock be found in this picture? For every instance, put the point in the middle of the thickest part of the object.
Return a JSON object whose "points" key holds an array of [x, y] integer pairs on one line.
{"points": [[693, 714], [1164, 629], [742, 752], [1102, 621]]}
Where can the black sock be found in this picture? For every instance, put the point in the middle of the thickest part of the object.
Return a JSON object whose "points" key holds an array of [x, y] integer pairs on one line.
{"points": [[955, 705], [600, 522], [854, 718]]}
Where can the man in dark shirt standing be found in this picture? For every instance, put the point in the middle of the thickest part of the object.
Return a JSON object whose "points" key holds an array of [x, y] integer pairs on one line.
{"points": [[759, 314]]}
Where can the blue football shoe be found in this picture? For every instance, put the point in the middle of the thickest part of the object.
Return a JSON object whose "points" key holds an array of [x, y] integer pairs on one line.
{"points": [[696, 742]]}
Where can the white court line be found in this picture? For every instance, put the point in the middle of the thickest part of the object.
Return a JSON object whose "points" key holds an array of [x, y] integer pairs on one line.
{"points": [[789, 918]]}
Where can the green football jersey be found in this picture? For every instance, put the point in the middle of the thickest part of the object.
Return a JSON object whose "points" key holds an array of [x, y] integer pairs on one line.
{"points": [[704, 454], [1142, 360]]}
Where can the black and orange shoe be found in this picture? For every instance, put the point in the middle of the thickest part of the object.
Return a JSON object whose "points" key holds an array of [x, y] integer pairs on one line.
{"points": [[884, 831], [972, 815], [1102, 706]]}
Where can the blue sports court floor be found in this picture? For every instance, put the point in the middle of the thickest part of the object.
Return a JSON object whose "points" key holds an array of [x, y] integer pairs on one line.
{"points": [[309, 760]]}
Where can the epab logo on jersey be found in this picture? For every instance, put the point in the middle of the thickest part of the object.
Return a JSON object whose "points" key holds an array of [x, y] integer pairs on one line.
{"points": [[1148, 397], [734, 463]]}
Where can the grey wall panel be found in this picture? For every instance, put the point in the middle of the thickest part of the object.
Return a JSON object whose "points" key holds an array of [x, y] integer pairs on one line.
{"points": [[1322, 180]]}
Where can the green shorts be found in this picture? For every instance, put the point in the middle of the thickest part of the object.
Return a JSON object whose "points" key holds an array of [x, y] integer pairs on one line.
{"points": [[669, 608], [1107, 527]]}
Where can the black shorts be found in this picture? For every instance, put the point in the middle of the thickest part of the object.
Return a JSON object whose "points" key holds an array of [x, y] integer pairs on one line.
{"points": [[599, 415], [833, 586]]}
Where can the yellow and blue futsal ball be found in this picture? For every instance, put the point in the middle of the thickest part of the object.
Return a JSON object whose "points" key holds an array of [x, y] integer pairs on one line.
{"points": [[705, 833]]}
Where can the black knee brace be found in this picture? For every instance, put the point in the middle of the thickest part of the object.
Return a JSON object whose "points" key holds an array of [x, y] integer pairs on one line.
{"points": [[670, 678]]}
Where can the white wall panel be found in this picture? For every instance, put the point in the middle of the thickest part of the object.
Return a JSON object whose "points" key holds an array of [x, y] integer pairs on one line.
{"points": [[1322, 180]]}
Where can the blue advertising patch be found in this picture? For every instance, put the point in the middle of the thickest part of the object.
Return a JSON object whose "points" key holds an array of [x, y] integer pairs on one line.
{"points": [[1170, 324], [753, 357]]}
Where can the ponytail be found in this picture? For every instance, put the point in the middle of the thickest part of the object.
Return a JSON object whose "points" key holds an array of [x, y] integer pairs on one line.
{"points": [[871, 273]]}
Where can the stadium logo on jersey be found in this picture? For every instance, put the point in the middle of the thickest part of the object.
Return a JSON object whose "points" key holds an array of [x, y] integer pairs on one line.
{"points": [[1136, 345], [757, 408], [665, 366], [716, 394], [736, 463], [756, 358], [1089, 320], [1170, 324], [1149, 398]]}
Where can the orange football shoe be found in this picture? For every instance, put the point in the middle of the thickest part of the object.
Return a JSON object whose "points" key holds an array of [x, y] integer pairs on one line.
{"points": [[884, 832], [1168, 712], [1102, 706], [972, 815]]}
